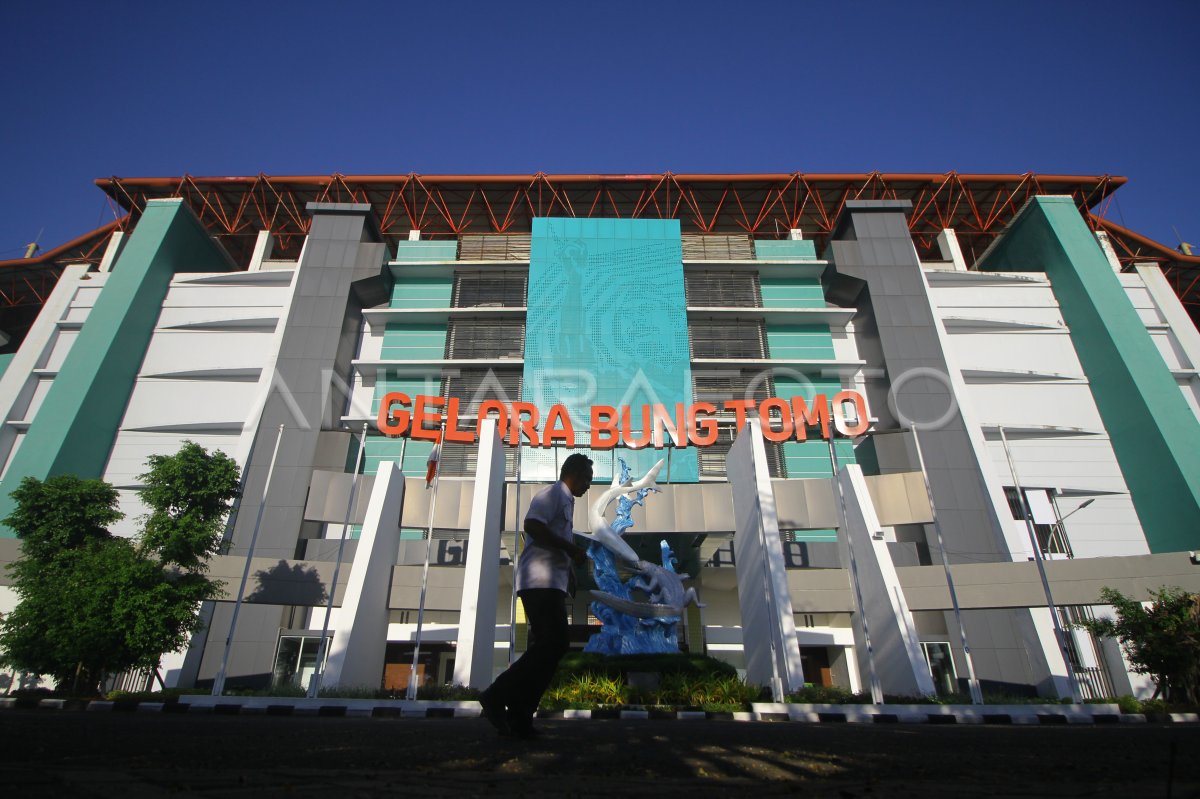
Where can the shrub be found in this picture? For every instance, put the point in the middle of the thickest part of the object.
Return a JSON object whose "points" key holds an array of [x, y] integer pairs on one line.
{"points": [[821, 695]]}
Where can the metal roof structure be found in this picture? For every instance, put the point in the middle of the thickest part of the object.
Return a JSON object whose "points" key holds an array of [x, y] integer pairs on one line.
{"points": [[976, 206]]}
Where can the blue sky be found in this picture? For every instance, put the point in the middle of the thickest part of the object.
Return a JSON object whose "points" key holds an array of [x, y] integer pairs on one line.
{"points": [[236, 88]]}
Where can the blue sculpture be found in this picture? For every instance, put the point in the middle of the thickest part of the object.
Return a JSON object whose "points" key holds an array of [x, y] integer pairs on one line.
{"points": [[631, 626]]}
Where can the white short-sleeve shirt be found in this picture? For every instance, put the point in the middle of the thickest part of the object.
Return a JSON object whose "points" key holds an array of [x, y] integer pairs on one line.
{"points": [[542, 567]]}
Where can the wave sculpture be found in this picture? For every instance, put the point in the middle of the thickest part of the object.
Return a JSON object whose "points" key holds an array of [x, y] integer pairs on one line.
{"points": [[632, 625]]}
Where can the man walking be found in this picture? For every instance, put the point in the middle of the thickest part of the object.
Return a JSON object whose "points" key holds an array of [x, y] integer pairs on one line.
{"points": [[544, 579]]}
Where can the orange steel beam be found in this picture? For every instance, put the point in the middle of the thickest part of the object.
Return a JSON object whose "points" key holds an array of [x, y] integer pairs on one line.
{"points": [[758, 204]]}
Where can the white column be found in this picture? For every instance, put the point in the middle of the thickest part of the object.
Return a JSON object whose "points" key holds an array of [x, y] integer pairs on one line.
{"points": [[473, 662], [360, 642], [950, 250], [768, 627], [898, 658]]}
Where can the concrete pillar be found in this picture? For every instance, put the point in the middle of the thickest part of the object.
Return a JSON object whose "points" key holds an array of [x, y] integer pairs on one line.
{"points": [[359, 644], [473, 662], [768, 626]]}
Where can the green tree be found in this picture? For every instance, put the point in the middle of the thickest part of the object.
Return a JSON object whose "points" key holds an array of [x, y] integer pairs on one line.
{"points": [[93, 603], [1162, 640]]}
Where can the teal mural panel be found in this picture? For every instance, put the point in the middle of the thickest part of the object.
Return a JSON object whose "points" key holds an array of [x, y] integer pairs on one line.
{"points": [[792, 292], [606, 325]]}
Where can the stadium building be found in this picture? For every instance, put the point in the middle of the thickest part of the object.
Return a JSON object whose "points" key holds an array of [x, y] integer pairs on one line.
{"points": [[896, 413]]}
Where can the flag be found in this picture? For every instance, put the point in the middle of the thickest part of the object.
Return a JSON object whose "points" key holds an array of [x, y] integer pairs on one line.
{"points": [[431, 465]]}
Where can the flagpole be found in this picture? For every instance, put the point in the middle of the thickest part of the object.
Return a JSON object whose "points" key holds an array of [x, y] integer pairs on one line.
{"points": [[411, 692], [514, 557], [219, 682], [1060, 636], [314, 682]]}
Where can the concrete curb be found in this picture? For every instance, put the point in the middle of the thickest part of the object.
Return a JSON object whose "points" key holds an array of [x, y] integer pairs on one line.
{"points": [[1060, 715]]}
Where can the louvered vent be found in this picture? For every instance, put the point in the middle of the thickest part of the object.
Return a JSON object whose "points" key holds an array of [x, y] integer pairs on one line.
{"points": [[494, 247], [473, 386], [461, 460], [701, 247], [485, 338], [712, 289], [712, 458], [492, 289], [717, 387], [727, 338]]}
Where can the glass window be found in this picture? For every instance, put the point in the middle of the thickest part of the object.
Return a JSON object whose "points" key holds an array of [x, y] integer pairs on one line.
{"points": [[296, 659], [1051, 538], [941, 666]]}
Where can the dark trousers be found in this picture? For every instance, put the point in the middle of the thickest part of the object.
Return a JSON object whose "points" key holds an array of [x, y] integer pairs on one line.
{"points": [[520, 688]]}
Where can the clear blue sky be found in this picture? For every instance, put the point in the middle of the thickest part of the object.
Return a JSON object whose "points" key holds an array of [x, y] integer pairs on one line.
{"points": [[236, 88]]}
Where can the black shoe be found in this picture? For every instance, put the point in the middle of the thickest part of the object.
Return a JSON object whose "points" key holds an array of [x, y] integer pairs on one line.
{"points": [[495, 713]]}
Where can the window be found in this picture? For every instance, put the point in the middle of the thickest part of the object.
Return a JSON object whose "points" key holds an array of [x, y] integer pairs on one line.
{"points": [[492, 289], [732, 338], [296, 659], [1051, 538], [941, 666], [712, 288], [712, 458], [485, 338]]}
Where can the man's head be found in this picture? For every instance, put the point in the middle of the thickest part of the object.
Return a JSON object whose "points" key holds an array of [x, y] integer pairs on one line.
{"points": [[576, 474]]}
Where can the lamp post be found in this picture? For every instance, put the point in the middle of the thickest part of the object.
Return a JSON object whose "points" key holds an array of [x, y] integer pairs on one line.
{"points": [[1060, 636]]}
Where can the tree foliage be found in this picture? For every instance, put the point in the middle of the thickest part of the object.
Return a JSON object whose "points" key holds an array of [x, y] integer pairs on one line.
{"points": [[1162, 640], [93, 603]]}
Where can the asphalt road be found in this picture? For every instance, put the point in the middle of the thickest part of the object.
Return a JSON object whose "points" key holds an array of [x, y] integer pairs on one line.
{"points": [[79, 754]]}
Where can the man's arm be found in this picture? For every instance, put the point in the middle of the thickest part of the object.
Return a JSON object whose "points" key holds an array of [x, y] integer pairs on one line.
{"points": [[542, 536]]}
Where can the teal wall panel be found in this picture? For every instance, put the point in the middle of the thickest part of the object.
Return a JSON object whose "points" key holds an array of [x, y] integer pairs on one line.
{"points": [[414, 342], [786, 250], [427, 251], [77, 422], [606, 325], [410, 291], [5, 360], [799, 342], [1154, 433], [784, 292]]}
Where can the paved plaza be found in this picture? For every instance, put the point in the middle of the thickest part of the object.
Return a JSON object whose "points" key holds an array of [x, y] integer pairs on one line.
{"points": [[132, 755]]}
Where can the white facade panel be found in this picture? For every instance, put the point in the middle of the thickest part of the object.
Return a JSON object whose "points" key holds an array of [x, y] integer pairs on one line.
{"points": [[53, 358], [184, 403], [1041, 403], [200, 296], [172, 351], [1047, 352], [38, 393], [953, 298]]}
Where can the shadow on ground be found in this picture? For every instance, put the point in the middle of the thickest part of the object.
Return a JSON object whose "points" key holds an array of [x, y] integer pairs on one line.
{"points": [[130, 755]]}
